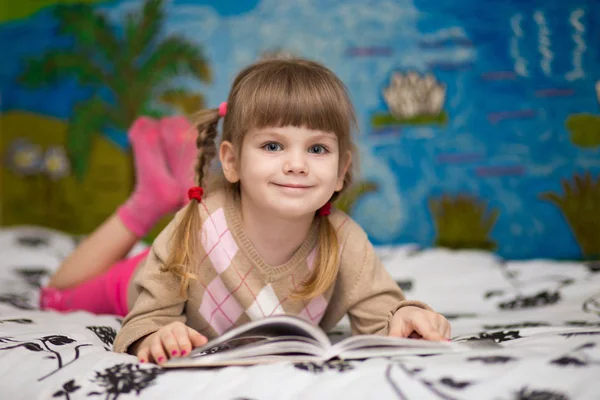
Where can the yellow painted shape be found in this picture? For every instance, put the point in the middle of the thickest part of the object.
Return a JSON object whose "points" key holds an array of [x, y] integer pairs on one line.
{"points": [[65, 204]]}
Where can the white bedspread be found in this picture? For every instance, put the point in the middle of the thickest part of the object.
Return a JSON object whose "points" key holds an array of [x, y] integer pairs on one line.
{"points": [[546, 315]]}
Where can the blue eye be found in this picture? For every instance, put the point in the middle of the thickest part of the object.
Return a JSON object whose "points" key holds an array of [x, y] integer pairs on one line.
{"points": [[318, 149], [272, 146]]}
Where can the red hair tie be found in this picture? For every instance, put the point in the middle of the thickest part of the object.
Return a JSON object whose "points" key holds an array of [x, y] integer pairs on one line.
{"points": [[325, 210], [196, 192], [222, 109]]}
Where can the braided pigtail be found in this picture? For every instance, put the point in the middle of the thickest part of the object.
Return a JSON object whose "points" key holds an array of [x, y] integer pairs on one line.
{"points": [[184, 242]]}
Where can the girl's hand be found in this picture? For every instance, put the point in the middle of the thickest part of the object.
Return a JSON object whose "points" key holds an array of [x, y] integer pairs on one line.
{"points": [[416, 322], [173, 340]]}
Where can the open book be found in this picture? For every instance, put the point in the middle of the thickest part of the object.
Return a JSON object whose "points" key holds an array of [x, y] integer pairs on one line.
{"points": [[287, 338]]}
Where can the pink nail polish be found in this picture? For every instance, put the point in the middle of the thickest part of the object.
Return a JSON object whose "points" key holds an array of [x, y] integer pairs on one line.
{"points": [[183, 352], [160, 359], [142, 361], [174, 353]]}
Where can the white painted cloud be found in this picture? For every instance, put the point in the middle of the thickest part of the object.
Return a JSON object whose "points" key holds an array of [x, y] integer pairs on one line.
{"points": [[453, 32], [198, 23]]}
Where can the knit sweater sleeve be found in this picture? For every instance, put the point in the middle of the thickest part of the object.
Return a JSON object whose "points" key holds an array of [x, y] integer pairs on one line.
{"points": [[159, 300], [365, 290]]}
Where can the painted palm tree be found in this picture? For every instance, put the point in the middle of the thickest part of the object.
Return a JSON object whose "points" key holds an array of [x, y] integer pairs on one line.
{"points": [[128, 72]]}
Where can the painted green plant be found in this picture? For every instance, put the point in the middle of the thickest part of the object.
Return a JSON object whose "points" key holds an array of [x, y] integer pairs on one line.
{"points": [[584, 129], [129, 73], [379, 120], [580, 205], [348, 199], [463, 222]]}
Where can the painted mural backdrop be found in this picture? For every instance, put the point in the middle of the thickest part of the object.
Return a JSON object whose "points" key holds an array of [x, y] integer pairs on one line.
{"points": [[479, 121]]}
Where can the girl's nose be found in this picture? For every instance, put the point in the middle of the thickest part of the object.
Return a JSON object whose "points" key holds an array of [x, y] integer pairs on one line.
{"points": [[295, 164]]}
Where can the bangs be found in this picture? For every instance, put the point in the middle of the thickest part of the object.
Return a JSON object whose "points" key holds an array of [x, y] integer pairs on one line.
{"points": [[296, 95]]}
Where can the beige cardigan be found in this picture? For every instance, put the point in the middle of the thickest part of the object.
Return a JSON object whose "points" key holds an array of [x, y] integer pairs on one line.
{"points": [[235, 285]]}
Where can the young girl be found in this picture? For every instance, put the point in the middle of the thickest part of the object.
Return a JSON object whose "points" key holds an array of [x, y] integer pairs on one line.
{"points": [[263, 240]]}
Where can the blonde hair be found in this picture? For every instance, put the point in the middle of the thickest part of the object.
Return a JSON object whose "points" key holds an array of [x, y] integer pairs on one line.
{"points": [[271, 93]]}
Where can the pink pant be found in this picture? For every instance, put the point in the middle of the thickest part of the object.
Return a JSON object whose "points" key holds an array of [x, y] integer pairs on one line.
{"points": [[104, 294]]}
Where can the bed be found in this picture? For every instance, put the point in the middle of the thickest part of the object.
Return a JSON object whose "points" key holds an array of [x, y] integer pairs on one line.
{"points": [[545, 314]]}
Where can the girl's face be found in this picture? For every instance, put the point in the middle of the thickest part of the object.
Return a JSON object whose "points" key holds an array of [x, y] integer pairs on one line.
{"points": [[288, 171]]}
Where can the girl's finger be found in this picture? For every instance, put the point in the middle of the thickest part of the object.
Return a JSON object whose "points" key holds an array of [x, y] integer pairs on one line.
{"points": [[446, 329], [157, 351], [144, 354], [427, 330], [170, 343], [448, 332], [196, 338], [399, 328], [442, 326], [180, 333]]}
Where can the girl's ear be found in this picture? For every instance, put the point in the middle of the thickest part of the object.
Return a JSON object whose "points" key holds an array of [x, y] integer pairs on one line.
{"points": [[228, 161], [345, 163]]}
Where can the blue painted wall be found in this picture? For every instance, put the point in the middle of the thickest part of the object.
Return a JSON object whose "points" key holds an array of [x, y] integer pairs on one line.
{"points": [[512, 74]]}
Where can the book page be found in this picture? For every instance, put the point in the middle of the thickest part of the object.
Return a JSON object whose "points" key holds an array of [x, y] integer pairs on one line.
{"points": [[365, 346], [263, 359], [289, 346], [363, 341], [260, 332]]}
